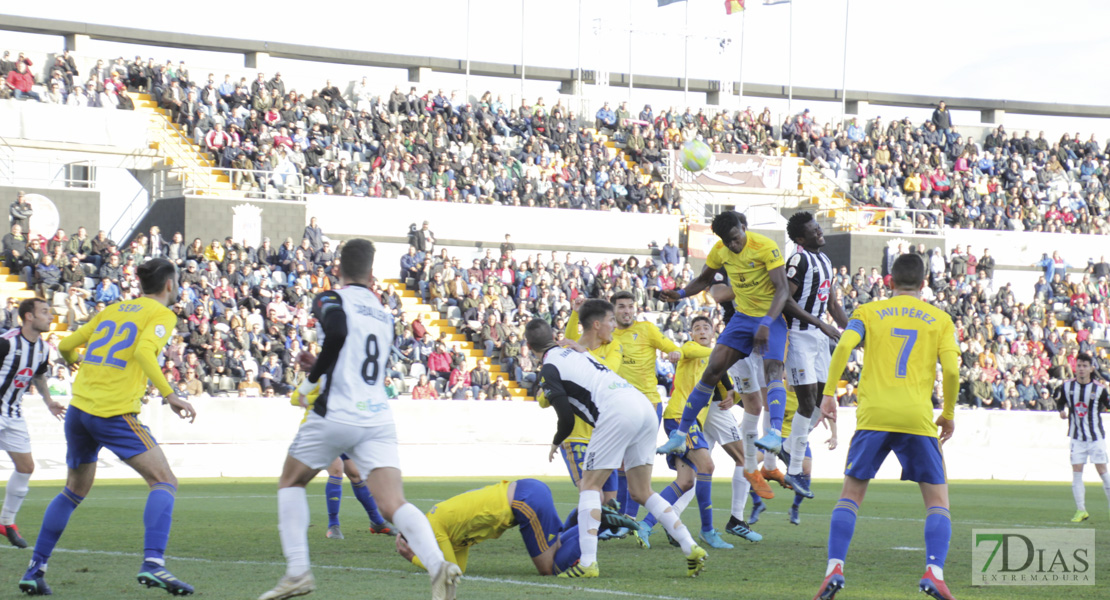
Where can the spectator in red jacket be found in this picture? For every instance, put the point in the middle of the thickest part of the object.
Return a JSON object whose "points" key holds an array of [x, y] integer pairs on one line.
{"points": [[21, 81]]}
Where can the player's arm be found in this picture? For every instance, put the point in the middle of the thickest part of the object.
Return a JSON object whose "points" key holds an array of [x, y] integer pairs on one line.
{"points": [[836, 308], [782, 292], [663, 343], [699, 284], [69, 345], [151, 342], [39, 381], [571, 331], [556, 394], [1061, 402], [328, 310], [693, 349], [852, 336], [949, 353]]}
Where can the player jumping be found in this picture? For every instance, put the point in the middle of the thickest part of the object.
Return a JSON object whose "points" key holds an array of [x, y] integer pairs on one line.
{"points": [[903, 338], [124, 343], [1079, 401]]}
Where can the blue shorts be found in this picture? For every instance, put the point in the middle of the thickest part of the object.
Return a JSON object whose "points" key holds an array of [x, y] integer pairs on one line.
{"points": [[86, 434], [659, 412], [534, 511], [694, 440], [344, 456], [919, 455], [574, 454], [741, 329]]}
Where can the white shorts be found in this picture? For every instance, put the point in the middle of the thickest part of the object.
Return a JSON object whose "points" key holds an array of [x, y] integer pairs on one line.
{"points": [[1093, 452], [747, 374], [807, 357], [625, 434], [14, 436], [720, 426], [320, 441]]}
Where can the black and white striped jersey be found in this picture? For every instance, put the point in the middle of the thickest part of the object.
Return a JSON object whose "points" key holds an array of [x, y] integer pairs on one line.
{"points": [[20, 362], [1083, 402], [812, 272], [575, 383]]}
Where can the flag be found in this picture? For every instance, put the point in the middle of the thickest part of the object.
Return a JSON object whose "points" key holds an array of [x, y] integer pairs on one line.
{"points": [[734, 6], [666, 2], [774, 2]]}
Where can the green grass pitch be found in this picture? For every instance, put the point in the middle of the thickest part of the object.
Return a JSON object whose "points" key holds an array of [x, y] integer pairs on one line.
{"points": [[225, 542]]}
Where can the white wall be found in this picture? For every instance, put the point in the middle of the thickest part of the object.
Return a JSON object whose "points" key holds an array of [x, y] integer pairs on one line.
{"points": [[55, 123], [249, 438]]}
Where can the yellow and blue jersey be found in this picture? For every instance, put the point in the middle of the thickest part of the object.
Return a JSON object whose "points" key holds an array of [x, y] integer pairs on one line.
{"points": [[124, 342], [640, 341], [686, 375], [749, 272], [903, 338]]}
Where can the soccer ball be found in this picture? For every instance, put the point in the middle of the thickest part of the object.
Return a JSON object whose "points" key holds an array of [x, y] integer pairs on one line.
{"points": [[695, 155]]}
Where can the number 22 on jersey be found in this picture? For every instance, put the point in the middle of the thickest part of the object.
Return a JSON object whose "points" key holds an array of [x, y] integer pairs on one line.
{"points": [[123, 336]]}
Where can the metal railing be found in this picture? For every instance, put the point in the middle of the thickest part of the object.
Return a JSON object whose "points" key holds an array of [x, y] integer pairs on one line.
{"points": [[877, 219], [52, 173], [249, 183]]}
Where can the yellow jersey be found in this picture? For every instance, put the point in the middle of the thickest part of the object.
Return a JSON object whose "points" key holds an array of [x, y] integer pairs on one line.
{"points": [[640, 341], [124, 343], [749, 272], [469, 518], [791, 408], [686, 375], [903, 338], [610, 355]]}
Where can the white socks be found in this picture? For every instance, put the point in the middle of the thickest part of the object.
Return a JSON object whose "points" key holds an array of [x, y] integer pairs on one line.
{"points": [[13, 496], [797, 442], [749, 428], [293, 529], [685, 499], [664, 513], [418, 533], [1105, 486], [589, 505], [1078, 491], [740, 488], [833, 563]]}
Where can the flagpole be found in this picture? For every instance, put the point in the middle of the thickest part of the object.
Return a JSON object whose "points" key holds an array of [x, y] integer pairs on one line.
{"points": [[844, 68], [578, 92], [522, 52], [630, 50], [740, 91], [790, 65], [686, 57], [467, 87]]}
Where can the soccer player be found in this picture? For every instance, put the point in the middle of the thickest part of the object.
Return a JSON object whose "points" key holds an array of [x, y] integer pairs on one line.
{"points": [[124, 343], [640, 341], [24, 361], [1079, 401], [486, 513], [903, 338], [716, 425], [624, 431], [753, 264], [809, 273], [351, 415], [333, 490]]}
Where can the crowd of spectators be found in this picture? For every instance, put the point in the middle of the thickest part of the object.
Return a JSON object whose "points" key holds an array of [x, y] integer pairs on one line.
{"points": [[103, 86]]}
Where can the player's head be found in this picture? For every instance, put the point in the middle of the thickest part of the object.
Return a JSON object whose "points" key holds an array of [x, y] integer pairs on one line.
{"points": [[158, 276], [732, 228], [701, 330], [625, 308], [35, 314], [802, 229], [540, 336], [908, 273], [1084, 364], [598, 315], [356, 261]]}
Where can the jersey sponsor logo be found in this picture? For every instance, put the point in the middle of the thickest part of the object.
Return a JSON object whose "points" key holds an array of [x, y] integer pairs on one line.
{"points": [[23, 378], [795, 260], [1081, 409], [791, 272], [775, 253], [371, 407], [823, 291], [160, 330]]}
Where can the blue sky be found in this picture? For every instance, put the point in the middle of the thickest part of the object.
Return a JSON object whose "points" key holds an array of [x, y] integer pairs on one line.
{"points": [[1013, 49]]}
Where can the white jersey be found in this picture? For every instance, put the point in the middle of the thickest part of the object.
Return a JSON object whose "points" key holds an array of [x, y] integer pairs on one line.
{"points": [[353, 392], [588, 385], [20, 362], [1083, 401]]}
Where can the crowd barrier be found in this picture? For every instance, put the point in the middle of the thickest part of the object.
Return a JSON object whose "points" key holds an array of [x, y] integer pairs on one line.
{"points": [[248, 437]]}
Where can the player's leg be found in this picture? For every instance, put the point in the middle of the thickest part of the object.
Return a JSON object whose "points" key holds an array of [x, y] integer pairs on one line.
{"points": [[639, 486], [807, 466], [1079, 455], [703, 462], [773, 357], [333, 497], [1101, 469], [157, 518], [923, 462], [740, 488], [589, 515], [685, 477], [722, 357], [801, 366], [534, 511], [293, 527], [14, 494], [364, 497], [749, 427]]}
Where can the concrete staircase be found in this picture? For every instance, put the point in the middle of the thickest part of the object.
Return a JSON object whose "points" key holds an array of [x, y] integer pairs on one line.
{"points": [[174, 144], [645, 176], [824, 198], [12, 287], [436, 324]]}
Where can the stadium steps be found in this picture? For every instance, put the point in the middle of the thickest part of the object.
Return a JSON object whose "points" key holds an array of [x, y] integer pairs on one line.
{"points": [[414, 308], [824, 197], [645, 176], [176, 147]]}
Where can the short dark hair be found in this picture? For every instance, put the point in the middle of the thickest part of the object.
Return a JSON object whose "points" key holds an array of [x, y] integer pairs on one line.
{"points": [[28, 306], [539, 335], [593, 310], [1082, 356], [724, 222], [154, 273], [796, 225], [621, 295], [700, 318], [908, 272], [356, 261]]}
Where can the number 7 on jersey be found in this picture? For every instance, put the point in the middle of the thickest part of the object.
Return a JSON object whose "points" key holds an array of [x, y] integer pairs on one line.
{"points": [[909, 338]]}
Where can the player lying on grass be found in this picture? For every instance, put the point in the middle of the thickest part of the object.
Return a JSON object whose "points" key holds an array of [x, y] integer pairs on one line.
{"points": [[486, 513]]}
